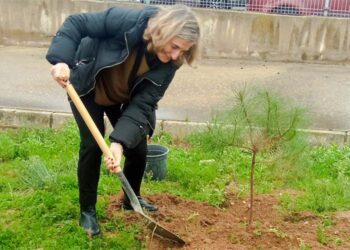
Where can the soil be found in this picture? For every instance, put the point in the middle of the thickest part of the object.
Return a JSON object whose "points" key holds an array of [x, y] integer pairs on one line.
{"points": [[203, 226]]}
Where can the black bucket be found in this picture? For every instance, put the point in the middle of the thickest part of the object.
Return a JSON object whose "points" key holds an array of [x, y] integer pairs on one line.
{"points": [[156, 166]]}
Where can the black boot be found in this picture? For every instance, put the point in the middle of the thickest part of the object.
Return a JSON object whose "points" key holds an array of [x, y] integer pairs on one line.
{"points": [[88, 220], [144, 204]]}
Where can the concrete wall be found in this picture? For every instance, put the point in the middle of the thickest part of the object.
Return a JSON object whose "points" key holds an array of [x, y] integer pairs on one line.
{"points": [[273, 37], [226, 34]]}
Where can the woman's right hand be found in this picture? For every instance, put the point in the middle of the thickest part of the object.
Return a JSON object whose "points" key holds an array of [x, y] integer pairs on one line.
{"points": [[60, 73], [113, 164]]}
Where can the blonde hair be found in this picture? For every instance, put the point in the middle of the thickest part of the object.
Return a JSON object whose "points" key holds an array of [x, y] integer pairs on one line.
{"points": [[174, 21]]}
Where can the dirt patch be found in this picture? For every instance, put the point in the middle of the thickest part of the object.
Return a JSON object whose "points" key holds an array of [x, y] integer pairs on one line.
{"points": [[203, 226]]}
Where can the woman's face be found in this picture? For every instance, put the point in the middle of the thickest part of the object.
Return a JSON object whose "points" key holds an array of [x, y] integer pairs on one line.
{"points": [[174, 49]]}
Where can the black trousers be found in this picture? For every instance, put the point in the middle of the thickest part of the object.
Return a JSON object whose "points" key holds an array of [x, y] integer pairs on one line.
{"points": [[90, 154]]}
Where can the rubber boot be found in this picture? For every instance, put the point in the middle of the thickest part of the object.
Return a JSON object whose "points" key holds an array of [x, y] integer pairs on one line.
{"points": [[144, 204], [88, 221]]}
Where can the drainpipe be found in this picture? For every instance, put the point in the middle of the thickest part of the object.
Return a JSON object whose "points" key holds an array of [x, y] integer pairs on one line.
{"points": [[326, 7]]}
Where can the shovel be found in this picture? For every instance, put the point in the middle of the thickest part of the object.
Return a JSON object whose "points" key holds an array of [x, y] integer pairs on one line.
{"points": [[152, 224]]}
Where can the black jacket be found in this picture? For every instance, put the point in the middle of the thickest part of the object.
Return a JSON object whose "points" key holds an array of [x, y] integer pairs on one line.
{"points": [[90, 42]]}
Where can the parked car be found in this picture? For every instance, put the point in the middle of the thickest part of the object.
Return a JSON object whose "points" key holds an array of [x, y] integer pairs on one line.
{"points": [[301, 7]]}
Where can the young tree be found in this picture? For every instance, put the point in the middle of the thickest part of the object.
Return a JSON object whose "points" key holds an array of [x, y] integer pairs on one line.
{"points": [[260, 121]]}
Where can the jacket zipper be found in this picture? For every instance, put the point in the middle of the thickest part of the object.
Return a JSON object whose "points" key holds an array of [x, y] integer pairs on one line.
{"points": [[133, 88], [84, 61]]}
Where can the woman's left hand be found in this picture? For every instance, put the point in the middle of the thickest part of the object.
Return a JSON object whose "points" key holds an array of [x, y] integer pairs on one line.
{"points": [[114, 163]]}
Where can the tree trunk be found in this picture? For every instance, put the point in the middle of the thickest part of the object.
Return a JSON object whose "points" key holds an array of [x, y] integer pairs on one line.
{"points": [[252, 165]]}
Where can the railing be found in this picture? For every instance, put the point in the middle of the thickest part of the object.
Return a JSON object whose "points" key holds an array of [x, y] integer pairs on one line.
{"points": [[339, 8], [336, 8]]}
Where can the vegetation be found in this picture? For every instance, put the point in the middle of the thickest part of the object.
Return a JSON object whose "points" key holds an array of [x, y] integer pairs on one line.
{"points": [[261, 122], [39, 198]]}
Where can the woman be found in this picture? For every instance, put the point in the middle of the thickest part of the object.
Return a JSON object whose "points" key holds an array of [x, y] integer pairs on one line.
{"points": [[120, 61]]}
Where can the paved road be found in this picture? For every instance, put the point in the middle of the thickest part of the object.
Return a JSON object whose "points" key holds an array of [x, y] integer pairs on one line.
{"points": [[195, 92]]}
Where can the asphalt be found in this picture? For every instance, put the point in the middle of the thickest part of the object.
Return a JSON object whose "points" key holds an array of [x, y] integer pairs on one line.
{"points": [[196, 93]]}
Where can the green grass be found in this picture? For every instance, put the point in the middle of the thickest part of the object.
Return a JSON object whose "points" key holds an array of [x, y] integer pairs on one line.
{"points": [[39, 199], [325, 180]]}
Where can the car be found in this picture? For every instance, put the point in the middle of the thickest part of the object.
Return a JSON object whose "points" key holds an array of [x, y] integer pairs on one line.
{"points": [[301, 7]]}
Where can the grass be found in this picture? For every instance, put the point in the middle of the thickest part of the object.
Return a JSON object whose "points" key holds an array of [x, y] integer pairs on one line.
{"points": [[325, 180], [39, 198]]}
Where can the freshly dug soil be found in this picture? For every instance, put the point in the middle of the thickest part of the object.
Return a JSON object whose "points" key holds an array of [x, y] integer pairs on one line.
{"points": [[203, 226]]}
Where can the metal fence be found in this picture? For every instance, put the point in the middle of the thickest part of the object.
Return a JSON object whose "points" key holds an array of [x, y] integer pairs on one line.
{"points": [[336, 8]]}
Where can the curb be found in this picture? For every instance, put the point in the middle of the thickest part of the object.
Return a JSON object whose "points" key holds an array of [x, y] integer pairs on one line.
{"points": [[27, 118]]}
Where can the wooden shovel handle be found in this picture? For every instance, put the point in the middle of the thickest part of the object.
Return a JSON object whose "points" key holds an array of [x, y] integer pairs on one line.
{"points": [[90, 123]]}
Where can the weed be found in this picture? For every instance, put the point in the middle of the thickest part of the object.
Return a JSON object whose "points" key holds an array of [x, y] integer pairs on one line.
{"points": [[302, 245], [234, 239], [243, 225], [279, 233], [327, 221], [288, 203], [36, 174], [337, 241], [258, 231], [321, 234], [193, 216]]}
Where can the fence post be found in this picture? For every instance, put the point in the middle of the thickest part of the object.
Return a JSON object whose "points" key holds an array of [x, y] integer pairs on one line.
{"points": [[326, 7]]}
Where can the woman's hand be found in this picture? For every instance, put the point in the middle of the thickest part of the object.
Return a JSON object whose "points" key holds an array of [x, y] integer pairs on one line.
{"points": [[60, 73], [114, 163]]}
